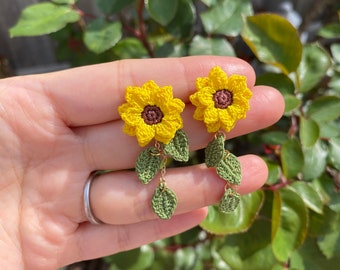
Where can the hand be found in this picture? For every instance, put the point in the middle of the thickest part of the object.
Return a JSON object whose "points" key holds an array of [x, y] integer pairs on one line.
{"points": [[57, 128]]}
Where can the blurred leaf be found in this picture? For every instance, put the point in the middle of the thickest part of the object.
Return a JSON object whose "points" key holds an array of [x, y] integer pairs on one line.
{"points": [[289, 223], [163, 259], [101, 35], [112, 6], [313, 67], [334, 199], [274, 137], [238, 221], [329, 244], [162, 11], [291, 103], [225, 17], [181, 25], [334, 152], [309, 257], [273, 40], [274, 172], [330, 31], [309, 131], [315, 159], [278, 80], [291, 158], [43, 18], [279, 267], [335, 81], [324, 108], [186, 258], [308, 194], [323, 224], [188, 237], [135, 259], [317, 185], [329, 130], [250, 250], [210, 3], [335, 50], [285, 85], [128, 48], [210, 46], [69, 2], [170, 50]]}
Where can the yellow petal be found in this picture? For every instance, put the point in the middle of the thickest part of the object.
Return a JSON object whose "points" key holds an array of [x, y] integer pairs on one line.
{"points": [[145, 133], [137, 97], [132, 119], [166, 130], [205, 97], [152, 88], [122, 108], [213, 127], [194, 99], [227, 128], [227, 119], [237, 83], [129, 130], [132, 116], [202, 83], [240, 107], [241, 101], [164, 95], [199, 113], [175, 119], [211, 115], [218, 78], [174, 106]]}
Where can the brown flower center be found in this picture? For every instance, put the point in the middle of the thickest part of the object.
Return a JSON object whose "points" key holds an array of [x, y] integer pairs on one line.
{"points": [[152, 114], [223, 98]]}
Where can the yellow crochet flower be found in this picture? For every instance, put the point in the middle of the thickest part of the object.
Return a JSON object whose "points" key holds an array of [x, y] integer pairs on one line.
{"points": [[151, 112], [221, 101]]}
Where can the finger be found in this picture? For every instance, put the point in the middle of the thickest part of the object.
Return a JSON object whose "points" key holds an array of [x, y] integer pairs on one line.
{"points": [[103, 143], [90, 95], [92, 241], [120, 198]]}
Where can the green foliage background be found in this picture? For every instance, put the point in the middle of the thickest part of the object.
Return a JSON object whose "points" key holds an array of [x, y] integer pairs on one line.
{"points": [[293, 222]]}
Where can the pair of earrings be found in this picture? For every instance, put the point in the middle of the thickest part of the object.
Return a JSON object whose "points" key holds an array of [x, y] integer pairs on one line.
{"points": [[152, 113]]}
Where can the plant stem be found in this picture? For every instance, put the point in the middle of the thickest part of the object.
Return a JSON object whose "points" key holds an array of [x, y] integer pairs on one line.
{"points": [[142, 32]]}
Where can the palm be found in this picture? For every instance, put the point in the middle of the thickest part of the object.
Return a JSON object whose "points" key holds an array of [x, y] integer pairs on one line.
{"points": [[48, 165], [56, 130]]}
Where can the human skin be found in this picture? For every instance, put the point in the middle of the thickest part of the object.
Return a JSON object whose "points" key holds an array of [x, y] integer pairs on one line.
{"points": [[57, 128]]}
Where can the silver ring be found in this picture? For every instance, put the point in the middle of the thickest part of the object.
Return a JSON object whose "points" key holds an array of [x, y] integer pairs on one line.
{"points": [[87, 206]]}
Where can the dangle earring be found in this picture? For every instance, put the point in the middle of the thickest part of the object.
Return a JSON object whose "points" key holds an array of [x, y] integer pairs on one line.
{"points": [[152, 113], [220, 102]]}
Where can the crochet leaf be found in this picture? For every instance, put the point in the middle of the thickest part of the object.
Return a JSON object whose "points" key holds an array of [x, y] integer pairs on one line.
{"points": [[164, 201], [178, 147], [229, 201], [214, 152], [148, 164], [229, 169]]}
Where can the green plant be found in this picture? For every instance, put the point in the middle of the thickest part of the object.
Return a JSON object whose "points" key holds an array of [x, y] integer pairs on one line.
{"points": [[293, 222]]}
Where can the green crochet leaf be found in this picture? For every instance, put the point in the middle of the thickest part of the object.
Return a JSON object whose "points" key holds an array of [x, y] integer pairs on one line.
{"points": [[164, 201], [178, 147], [148, 164], [229, 202], [214, 152], [229, 169]]}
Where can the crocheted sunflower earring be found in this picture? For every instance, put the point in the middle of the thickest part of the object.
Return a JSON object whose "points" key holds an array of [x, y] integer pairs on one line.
{"points": [[220, 102], [151, 113]]}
